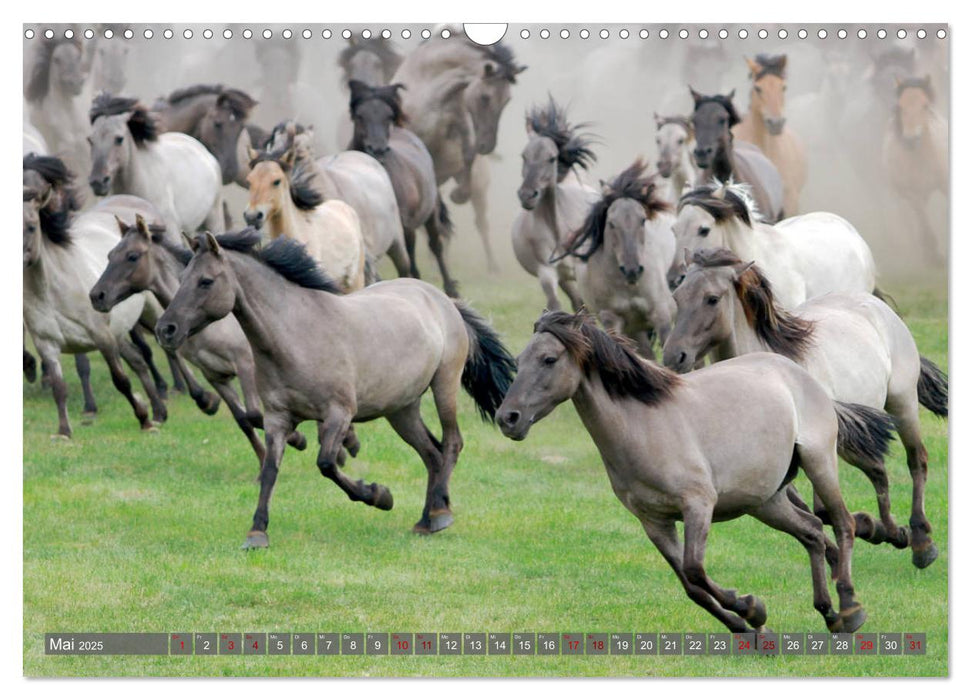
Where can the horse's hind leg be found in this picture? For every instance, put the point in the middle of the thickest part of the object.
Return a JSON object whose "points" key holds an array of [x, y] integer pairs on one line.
{"points": [[832, 551], [436, 514], [664, 535], [400, 257], [83, 367], [30, 367], [568, 283], [410, 237], [697, 522], [436, 242], [780, 513], [480, 210], [123, 385], [886, 529], [135, 360], [50, 356], [548, 282], [332, 434]]}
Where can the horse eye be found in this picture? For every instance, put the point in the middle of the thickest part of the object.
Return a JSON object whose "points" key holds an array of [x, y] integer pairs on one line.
{"points": [[484, 99], [552, 160], [711, 300], [722, 122], [703, 231], [217, 125], [276, 183], [119, 140], [548, 361], [133, 257], [31, 228], [758, 89], [681, 142], [205, 282]]}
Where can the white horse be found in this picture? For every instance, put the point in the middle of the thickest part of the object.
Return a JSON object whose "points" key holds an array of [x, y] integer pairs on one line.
{"points": [[172, 171], [284, 200], [675, 142], [803, 256]]}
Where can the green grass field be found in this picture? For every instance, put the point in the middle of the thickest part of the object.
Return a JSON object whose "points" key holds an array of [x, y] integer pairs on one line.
{"points": [[125, 531]]}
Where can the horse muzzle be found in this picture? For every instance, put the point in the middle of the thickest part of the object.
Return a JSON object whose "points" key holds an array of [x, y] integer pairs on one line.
{"points": [[665, 169], [632, 274], [99, 300], [100, 185], [254, 218], [512, 424], [775, 125], [678, 359], [528, 198], [170, 335]]}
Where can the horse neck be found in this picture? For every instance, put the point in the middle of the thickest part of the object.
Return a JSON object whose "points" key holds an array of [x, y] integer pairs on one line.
{"points": [[686, 173], [756, 124], [723, 164], [132, 177], [604, 418], [743, 339], [546, 209], [738, 238], [165, 280], [287, 221]]}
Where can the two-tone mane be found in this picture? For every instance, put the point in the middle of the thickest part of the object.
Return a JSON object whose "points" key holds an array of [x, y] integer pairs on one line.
{"points": [[39, 82], [781, 331], [573, 147], [726, 103], [723, 201], [770, 65], [239, 103], [630, 184], [187, 93], [303, 193], [388, 94], [285, 256], [380, 47], [142, 123], [622, 372], [503, 57], [56, 217]]}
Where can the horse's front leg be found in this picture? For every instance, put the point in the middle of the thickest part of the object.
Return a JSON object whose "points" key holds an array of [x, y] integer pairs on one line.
{"points": [[277, 429], [463, 178], [334, 432], [83, 367], [207, 402], [51, 359]]}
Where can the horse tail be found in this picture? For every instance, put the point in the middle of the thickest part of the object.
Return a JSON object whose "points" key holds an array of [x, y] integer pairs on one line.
{"points": [[489, 368], [445, 220], [932, 388], [886, 299], [864, 433]]}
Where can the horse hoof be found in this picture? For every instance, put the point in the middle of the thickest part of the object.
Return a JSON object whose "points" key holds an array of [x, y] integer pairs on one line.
{"points": [[452, 291], [208, 404], [256, 539], [865, 526], [437, 520], [87, 418], [460, 195], [151, 428], [852, 619], [756, 615], [381, 497], [925, 555], [60, 437], [297, 441]]}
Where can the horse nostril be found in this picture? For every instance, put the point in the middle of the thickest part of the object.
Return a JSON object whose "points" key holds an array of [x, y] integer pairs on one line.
{"points": [[168, 330], [510, 418], [682, 357], [640, 269]]}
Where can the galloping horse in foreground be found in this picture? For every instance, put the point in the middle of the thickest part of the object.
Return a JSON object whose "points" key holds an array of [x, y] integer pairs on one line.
{"points": [[858, 349], [173, 171], [145, 261], [456, 91], [553, 207], [765, 126], [628, 247], [709, 446], [380, 131], [337, 359], [283, 199], [720, 158], [803, 257]]}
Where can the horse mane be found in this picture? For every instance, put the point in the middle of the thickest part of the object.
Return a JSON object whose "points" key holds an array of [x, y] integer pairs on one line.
{"points": [[237, 101], [784, 333], [285, 256], [921, 83], [771, 65], [362, 92], [504, 57], [55, 224], [630, 184], [187, 93], [141, 124], [723, 201], [622, 372], [573, 149], [725, 102], [39, 82], [302, 191], [379, 46], [683, 122]]}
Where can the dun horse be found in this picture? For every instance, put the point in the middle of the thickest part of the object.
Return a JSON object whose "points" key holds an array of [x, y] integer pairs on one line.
{"points": [[719, 157], [553, 207], [765, 126], [709, 446], [379, 131], [337, 359], [858, 349], [628, 247]]}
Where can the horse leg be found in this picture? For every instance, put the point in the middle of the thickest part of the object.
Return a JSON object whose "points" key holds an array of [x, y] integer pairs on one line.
{"points": [[50, 356], [400, 257], [480, 210], [697, 522], [332, 434], [408, 424], [780, 513], [30, 367], [276, 433], [410, 251], [832, 551], [135, 360], [548, 282], [445, 388], [228, 394], [83, 367], [568, 284], [207, 402], [437, 245], [923, 549], [146, 351], [886, 530], [123, 385], [820, 466], [664, 536]]}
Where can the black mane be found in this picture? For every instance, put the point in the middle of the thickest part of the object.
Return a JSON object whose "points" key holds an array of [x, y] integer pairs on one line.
{"points": [[187, 93], [771, 65], [39, 82], [573, 148], [726, 103], [142, 124], [721, 209], [362, 92], [302, 191], [380, 47], [622, 372], [55, 223], [504, 58], [630, 184], [285, 256]]}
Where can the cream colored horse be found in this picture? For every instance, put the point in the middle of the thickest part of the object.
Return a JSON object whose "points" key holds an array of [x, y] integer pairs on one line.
{"points": [[765, 126], [287, 205]]}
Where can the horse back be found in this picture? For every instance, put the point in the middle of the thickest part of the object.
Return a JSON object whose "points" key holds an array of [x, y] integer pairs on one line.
{"points": [[754, 168]]}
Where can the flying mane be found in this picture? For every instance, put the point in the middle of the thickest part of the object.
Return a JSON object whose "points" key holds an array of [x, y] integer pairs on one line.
{"points": [[622, 372], [141, 124], [55, 221], [630, 184], [504, 58], [285, 256], [723, 201], [780, 330], [573, 147], [362, 92]]}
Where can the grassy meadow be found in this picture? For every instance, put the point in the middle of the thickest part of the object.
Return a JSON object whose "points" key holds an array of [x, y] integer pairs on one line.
{"points": [[130, 531]]}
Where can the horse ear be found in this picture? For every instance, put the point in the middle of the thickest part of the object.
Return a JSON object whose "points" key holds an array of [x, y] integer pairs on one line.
{"points": [[783, 60], [719, 192], [121, 225], [696, 96], [212, 244], [730, 96], [605, 188], [742, 268], [519, 69], [142, 227], [289, 157], [657, 120], [252, 154], [190, 242], [753, 67]]}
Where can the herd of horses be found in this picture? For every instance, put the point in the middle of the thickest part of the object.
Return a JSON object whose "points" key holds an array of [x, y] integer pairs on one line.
{"points": [[777, 350]]}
